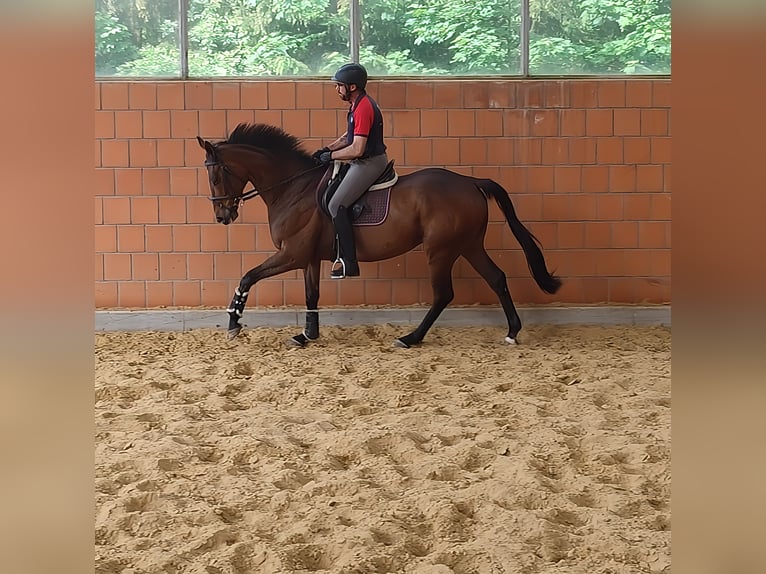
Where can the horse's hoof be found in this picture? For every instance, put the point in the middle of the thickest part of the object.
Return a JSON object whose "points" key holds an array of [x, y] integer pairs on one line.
{"points": [[511, 341], [401, 344], [297, 342], [231, 333]]}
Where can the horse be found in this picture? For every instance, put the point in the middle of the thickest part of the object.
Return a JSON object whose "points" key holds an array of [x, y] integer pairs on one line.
{"points": [[444, 211]]}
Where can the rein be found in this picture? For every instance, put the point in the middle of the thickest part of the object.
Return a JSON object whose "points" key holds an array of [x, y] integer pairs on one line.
{"points": [[245, 195]]}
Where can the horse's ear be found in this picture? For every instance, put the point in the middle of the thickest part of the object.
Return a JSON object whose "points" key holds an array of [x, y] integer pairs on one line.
{"points": [[204, 144]]}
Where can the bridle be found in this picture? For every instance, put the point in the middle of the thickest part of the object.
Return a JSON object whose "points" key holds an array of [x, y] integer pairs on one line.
{"points": [[245, 195], [240, 198]]}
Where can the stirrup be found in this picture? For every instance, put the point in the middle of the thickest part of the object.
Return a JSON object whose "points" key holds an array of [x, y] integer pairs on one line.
{"points": [[338, 272]]}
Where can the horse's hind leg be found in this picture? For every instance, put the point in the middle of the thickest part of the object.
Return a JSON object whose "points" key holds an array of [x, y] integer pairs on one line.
{"points": [[495, 278], [441, 283]]}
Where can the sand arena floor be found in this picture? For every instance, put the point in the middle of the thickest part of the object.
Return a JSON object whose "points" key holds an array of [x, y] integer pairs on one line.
{"points": [[461, 456]]}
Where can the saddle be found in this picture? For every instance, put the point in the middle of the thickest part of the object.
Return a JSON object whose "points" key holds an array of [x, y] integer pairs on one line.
{"points": [[372, 207]]}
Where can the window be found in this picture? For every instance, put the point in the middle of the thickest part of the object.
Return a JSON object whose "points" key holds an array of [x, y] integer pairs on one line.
{"points": [[599, 37], [137, 38], [258, 38], [441, 37]]}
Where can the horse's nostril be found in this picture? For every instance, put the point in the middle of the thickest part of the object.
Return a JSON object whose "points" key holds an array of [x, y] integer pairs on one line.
{"points": [[219, 219]]}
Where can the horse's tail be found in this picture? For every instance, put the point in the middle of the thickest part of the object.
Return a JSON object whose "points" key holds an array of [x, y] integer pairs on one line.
{"points": [[529, 243]]}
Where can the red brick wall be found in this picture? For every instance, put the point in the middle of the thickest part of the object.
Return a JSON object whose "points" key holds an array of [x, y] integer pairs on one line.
{"points": [[587, 163]]}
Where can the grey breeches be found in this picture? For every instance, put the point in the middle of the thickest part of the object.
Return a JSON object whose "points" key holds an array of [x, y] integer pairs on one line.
{"points": [[361, 175]]}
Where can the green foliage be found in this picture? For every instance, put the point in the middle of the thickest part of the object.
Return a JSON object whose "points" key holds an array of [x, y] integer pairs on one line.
{"points": [[398, 37], [160, 60], [474, 37], [114, 44], [557, 56], [393, 63], [600, 36], [269, 37]]}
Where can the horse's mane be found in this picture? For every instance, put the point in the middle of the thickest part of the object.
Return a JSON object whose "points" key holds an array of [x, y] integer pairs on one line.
{"points": [[270, 138]]}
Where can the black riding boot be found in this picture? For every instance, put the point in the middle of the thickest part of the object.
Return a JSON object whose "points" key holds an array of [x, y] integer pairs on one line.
{"points": [[345, 264]]}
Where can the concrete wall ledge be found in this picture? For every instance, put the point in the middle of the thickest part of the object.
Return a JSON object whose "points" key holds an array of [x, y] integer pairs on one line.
{"points": [[186, 319]]}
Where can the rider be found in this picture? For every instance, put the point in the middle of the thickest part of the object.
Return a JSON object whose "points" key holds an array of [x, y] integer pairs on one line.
{"points": [[362, 146]]}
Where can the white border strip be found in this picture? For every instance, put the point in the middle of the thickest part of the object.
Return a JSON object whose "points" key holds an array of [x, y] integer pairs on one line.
{"points": [[185, 319]]}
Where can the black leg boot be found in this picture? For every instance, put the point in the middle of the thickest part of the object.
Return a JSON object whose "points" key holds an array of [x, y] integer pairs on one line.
{"points": [[345, 264]]}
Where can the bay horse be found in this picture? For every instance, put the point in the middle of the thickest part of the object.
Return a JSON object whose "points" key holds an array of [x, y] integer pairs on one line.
{"points": [[444, 211]]}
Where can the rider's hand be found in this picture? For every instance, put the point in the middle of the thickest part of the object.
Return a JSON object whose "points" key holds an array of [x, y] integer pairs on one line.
{"points": [[325, 158], [318, 154]]}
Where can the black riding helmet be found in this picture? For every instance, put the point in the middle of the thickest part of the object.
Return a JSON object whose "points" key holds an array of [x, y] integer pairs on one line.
{"points": [[351, 74]]}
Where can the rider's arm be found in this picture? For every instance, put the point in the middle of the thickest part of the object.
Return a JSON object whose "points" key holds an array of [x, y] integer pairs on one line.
{"points": [[339, 143], [353, 151]]}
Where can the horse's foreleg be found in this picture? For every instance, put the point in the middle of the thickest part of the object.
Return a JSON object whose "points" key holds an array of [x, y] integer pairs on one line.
{"points": [[496, 279], [311, 332], [441, 283], [278, 263]]}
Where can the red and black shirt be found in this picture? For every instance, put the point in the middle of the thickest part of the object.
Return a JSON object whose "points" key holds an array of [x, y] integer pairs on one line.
{"points": [[365, 119]]}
